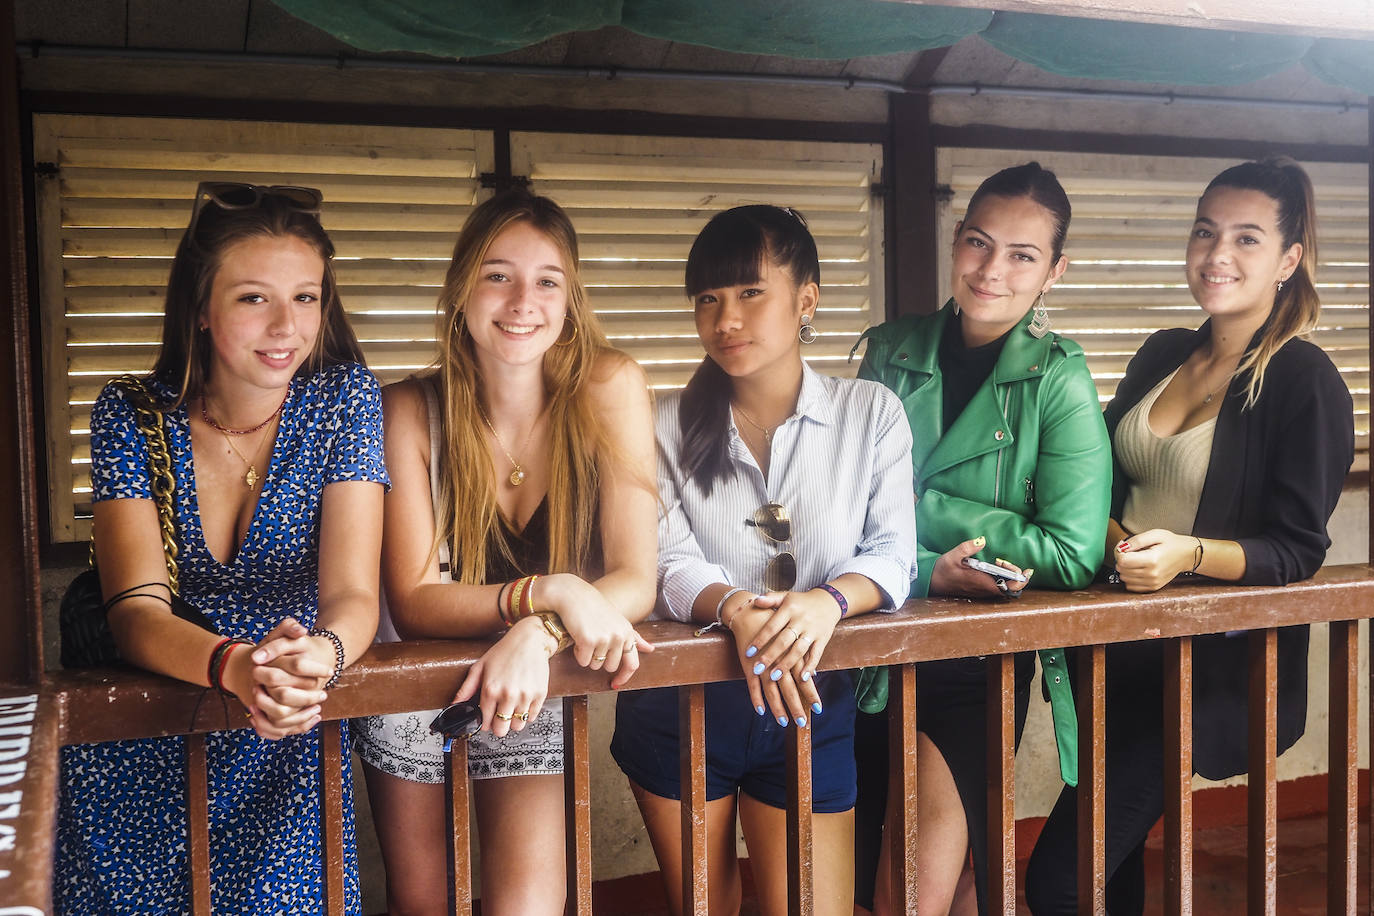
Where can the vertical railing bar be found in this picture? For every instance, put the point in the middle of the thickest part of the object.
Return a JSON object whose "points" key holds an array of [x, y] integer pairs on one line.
{"points": [[1092, 781], [331, 810], [800, 890], [458, 802], [198, 824], [1178, 776], [901, 786], [692, 754], [577, 804], [1001, 726], [1342, 843], [1262, 823]]}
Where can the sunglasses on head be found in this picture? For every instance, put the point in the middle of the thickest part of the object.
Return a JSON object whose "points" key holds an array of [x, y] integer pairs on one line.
{"points": [[773, 521], [238, 195]]}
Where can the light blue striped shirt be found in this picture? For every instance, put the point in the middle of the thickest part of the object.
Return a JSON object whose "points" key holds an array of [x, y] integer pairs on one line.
{"points": [[841, 465]]}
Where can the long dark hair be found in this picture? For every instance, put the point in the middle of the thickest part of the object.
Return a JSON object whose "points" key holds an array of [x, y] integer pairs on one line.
{"points": [[1297, 306], [1039, 184], [183, 362], [729, 251]]}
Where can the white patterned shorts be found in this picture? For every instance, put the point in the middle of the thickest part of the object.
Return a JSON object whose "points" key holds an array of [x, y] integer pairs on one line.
{"points": [[401, 744]]}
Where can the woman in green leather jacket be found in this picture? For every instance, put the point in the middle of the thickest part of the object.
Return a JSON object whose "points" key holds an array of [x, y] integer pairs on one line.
{"points": [[1012, 466]]}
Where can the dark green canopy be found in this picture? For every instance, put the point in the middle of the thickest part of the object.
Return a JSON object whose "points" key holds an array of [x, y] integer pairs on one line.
{"points": [[836, 29]]}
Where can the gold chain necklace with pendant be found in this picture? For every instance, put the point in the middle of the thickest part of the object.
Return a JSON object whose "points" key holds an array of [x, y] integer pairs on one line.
{"points": [[517, 473], [767, 432], [251, 477]]}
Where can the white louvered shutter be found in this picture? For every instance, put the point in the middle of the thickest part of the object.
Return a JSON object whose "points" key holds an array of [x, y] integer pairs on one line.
{"points": [[638, 202], [1131, 219], [112, 211]]}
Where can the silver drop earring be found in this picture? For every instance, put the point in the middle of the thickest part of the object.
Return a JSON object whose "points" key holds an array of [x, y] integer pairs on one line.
{"points": [[1280, 287], [807, 333], [1040, 321]]}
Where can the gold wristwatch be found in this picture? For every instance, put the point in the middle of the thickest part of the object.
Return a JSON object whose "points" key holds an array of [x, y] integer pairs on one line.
{"points": [[553, 625]]}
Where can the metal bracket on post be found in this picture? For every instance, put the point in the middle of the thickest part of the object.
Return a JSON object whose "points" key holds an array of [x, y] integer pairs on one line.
{"points": [[500, 183]]}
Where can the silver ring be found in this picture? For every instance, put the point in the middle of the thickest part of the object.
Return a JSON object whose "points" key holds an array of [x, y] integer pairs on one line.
{"points": [[796, 634], [806, 636]]}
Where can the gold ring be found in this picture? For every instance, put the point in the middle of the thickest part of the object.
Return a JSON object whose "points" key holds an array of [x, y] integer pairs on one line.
{"points": [[505, 716], [523, 716], [599, 658]]}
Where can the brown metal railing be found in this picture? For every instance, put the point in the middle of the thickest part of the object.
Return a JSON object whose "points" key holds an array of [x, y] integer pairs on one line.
{"points": [[101, 705]]}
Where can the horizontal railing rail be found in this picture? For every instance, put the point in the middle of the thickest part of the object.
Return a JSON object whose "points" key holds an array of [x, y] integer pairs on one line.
{"points": [[106, 704]]}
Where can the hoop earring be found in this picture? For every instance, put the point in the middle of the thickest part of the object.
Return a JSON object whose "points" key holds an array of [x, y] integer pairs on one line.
{"points": [[567, 323], [807, 333], [1040, 321]]}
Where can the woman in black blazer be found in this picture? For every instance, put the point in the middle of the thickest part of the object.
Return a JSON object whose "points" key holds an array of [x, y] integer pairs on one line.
{"points": [[1231, 444]]}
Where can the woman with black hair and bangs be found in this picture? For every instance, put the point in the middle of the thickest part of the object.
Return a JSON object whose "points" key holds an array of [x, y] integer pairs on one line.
{"points": [[785, 507]]}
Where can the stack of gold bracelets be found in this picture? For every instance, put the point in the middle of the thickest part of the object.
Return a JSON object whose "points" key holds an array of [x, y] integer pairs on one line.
{"points": [[519, 602]]}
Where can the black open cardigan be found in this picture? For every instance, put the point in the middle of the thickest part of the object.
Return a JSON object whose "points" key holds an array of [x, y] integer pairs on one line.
{"points": [[1273, 480]]}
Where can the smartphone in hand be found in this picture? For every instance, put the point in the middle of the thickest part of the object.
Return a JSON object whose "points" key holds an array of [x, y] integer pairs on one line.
{"points": [[992, 569]]}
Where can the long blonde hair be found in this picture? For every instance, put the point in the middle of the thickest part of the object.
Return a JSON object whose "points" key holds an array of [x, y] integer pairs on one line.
{"points": [[1297, 306], [469, 517]]}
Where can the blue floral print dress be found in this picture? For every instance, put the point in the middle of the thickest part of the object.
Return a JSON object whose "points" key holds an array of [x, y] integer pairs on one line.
{"points": [[122, 838]]}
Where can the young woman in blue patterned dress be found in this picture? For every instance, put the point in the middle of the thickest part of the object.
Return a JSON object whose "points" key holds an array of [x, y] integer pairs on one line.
{"points": [[274, 429], [523, 469]]}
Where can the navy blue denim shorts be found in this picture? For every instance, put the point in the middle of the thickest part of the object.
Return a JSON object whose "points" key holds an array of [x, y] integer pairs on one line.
{"points": [[744, 751]]}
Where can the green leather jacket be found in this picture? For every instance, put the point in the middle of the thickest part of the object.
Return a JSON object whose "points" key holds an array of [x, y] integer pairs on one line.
{"points": [[1027, 465]]}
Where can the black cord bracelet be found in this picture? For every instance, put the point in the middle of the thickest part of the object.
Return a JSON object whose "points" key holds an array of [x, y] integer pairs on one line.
{"points": [[338, 653]]}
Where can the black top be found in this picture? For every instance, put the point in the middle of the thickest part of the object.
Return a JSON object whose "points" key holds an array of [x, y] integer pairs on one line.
{"points": [[1273, 479], [963, 369], [1276, 469], [529, 548]]}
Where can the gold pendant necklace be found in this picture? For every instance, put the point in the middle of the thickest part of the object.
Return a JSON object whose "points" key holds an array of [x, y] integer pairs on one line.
{"points": [[517, 473], [251, 478], [767, 433]]}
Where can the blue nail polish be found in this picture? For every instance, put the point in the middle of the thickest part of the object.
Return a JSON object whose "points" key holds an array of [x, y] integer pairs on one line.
{"points": [[751, 652], [758, 667], [801, 721], [806, 675], [760, 709], [782, 720], [816, 708], [777, 674]]}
